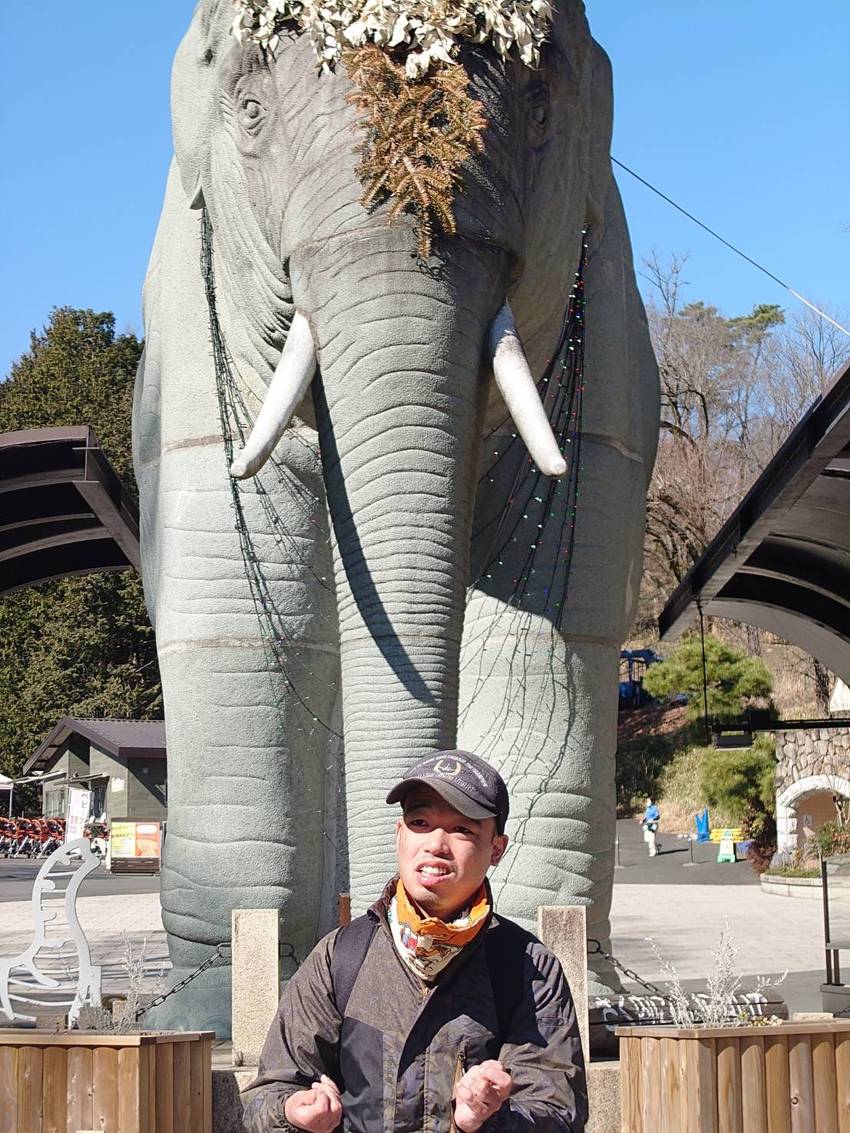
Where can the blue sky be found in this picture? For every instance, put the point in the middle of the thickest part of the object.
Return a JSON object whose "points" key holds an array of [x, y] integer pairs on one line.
{"points": [[739, 110]]}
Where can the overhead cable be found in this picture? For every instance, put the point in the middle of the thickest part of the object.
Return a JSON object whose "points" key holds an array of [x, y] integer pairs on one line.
{"points": [[732, 247]]}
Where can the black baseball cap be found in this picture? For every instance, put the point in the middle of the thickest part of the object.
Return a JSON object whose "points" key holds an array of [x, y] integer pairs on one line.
{"points": [[466, 781]]}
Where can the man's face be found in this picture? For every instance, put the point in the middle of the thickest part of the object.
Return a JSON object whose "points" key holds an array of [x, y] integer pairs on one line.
{"points": [[443, 856]]}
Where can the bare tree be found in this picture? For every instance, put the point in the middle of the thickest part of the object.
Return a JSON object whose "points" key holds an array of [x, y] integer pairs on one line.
{"points": [[731, 391]]}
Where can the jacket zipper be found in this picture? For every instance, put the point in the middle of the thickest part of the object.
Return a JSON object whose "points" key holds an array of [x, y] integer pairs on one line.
{"points": [[460, 1070]]}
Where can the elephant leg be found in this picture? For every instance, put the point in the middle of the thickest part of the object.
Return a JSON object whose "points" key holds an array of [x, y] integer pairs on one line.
{"points": [[539, 691], [554, 597], [248, 649], [529, 704], [248, 746], [540, 672]]}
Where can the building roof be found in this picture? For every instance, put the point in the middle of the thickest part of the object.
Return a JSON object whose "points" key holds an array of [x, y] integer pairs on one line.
{"points": [[782, 560], [125, 739], [63, 510]]}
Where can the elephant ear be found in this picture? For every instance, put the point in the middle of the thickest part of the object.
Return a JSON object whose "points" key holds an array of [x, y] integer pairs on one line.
{"points": [[601, 128], [195, 80]]}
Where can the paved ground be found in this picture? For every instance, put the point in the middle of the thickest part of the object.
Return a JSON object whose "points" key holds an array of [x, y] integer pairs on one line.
{"points": [[18, 874], [681, 907], [672, 866]]}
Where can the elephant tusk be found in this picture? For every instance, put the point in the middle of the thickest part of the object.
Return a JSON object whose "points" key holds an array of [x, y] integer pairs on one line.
{"points": [[516, 385], [289, 383]]}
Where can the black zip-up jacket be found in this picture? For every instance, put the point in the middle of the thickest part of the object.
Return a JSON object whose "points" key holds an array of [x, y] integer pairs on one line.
{"points": [[402, 1045]]}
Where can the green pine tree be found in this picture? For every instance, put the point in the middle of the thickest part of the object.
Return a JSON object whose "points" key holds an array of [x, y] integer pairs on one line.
{"points": [[77, 646], [733, 677]]}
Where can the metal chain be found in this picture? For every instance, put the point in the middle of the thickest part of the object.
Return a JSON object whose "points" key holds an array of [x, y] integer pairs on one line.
{"points": [[594, 948], [287, 952], [208, 963]]}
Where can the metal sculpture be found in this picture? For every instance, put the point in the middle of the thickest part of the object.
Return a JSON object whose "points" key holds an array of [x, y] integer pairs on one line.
{"points": [[58, 961]]}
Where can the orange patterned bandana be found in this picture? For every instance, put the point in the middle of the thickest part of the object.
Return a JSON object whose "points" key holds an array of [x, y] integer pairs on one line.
{"points": [[427, 944]]}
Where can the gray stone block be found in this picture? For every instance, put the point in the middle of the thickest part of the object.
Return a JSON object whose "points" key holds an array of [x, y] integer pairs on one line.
{"points": [[563, 929], [603, 1088], [256, 980], [227, 1104]]}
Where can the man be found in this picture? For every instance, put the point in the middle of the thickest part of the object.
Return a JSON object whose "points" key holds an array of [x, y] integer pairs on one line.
{"points": [[431, 1012], [649, 822]]}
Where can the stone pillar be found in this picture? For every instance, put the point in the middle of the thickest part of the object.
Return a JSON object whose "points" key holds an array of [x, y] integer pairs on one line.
{"points": [[256, 980], [786, 829], [563, 929]]}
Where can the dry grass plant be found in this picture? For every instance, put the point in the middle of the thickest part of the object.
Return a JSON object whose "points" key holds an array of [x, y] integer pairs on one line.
{"points": [[720, 1005], [124, 1021]]}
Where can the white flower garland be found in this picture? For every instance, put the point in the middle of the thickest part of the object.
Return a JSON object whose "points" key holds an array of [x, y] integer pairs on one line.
{"points": [[430, 30]]}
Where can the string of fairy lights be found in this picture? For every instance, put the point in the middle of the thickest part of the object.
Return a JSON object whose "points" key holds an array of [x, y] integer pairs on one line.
{"points": [[282, 651], [532, 496], [532, 534], [534, 537]]}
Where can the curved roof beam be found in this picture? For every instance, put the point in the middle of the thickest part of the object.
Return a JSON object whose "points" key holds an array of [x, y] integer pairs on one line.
{"points": [[64, 510]]}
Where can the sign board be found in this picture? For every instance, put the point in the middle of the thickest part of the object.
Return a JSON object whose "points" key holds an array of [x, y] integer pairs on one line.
{"points": [[134, 846], [726, 852], [76, 812], [718, 833]]}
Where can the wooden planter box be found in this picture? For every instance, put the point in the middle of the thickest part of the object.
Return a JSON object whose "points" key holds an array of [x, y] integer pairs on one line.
{"points": [[63, 1083], [790, 1078]]}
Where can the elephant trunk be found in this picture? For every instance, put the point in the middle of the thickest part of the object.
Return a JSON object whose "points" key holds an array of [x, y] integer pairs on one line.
{"points": [[399, 404]]}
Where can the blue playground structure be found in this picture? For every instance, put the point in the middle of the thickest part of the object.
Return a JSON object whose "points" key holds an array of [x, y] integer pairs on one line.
{"points": [[633, 666]]}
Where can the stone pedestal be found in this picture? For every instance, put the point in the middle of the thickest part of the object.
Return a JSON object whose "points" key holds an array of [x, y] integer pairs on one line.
{"points": [[256, 980], [563, 929]]}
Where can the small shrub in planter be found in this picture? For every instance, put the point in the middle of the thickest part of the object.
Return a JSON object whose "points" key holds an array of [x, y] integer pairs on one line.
{"points": [[830, 839], [107, 1074]]}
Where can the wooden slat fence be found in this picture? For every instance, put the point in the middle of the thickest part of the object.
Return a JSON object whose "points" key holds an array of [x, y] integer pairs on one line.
{"points": [[65, 1083], [789, 1078]]}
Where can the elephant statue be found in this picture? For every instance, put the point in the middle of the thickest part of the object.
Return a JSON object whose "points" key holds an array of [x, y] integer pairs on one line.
{"points": [[360, 545]]}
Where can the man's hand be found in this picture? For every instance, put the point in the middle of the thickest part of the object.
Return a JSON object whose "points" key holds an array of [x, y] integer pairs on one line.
{"points": [[479, 1093], [318, 1109]]}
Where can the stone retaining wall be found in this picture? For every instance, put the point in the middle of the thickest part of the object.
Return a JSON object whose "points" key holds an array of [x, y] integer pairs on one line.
{"points": [[806, 754], [809, 888], [808, 761]]}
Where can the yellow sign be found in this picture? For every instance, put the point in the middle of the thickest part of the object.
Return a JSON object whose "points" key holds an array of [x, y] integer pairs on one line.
{"points": [[129, 839], [721, 833], [122, 840]]}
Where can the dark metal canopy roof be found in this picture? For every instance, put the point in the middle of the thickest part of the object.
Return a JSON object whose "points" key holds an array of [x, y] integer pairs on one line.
{"points": [[782, 560], [63, 510], [125, 739]]}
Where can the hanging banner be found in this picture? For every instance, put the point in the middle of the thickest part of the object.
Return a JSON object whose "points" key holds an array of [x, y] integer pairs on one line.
{"points": [[76, 812]]}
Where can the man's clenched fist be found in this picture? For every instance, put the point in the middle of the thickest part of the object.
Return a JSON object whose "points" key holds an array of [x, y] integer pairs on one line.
{"points": [[479, 1093], [318, 1109]]}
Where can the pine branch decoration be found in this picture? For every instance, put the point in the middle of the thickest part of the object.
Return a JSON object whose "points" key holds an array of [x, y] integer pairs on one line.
{"points": [[419, 133]]}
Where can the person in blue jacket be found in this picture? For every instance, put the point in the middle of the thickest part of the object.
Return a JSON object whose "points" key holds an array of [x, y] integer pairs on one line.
{"points": [[650, 820]]}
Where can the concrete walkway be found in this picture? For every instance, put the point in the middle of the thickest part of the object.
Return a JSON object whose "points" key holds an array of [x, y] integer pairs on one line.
{"points": [[683, 908], [105, 921]]}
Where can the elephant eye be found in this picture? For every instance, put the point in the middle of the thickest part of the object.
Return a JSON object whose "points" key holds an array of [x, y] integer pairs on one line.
{"points": [[252, 114], [537, 112]]}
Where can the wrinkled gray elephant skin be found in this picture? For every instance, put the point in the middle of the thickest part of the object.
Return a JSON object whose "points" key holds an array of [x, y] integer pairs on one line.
{"points": [[371, 522]]}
